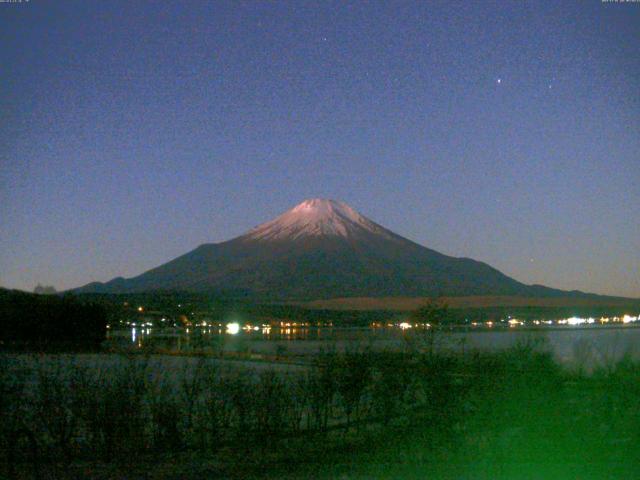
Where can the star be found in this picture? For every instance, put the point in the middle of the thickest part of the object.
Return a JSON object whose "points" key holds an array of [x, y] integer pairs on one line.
{"points": [[499, 81]]}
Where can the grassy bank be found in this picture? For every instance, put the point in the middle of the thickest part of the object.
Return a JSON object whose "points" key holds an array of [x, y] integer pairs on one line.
{"points": [[511, 414]]}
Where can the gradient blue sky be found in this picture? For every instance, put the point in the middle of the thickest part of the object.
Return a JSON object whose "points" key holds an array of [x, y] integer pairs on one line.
{"points": [[508, 132]]}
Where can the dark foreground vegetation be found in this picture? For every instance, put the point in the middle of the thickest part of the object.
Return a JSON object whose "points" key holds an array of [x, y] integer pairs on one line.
{"points": [[49, 322], [414, 414]]}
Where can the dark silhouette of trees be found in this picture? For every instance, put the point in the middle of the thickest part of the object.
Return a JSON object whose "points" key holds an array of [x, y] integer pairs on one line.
{"points": [[44, 290], [434, 312], [429, 318], [49, 322]]}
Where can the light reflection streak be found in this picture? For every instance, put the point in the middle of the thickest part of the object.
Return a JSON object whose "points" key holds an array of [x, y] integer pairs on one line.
{"points": [[290, 331]]}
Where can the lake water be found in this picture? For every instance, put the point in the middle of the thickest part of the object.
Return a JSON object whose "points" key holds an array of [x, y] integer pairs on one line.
{"points": [[585, 345]]}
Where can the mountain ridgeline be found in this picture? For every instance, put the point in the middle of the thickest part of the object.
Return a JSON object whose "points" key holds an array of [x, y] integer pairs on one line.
{"points": [[322, 249]]}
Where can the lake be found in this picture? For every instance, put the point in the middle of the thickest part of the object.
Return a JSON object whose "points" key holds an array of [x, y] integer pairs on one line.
{"points": [[588, 345]]}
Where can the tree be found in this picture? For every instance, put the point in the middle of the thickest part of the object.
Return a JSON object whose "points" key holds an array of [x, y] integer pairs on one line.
{"points": [[430, 316], [44, 290], [434, 312]]}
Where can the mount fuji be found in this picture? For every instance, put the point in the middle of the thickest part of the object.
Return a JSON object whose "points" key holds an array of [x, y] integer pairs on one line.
{"points": [[321, 249]]}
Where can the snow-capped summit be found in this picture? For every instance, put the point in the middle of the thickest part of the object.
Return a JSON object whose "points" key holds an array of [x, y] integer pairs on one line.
{"points": [[317, 217]]}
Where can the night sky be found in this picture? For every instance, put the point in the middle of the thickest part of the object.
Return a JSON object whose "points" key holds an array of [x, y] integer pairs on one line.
{"points": [[508, 132]]}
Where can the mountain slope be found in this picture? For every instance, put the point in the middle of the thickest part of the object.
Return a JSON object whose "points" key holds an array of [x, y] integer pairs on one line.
{"points": [[322, 249]]}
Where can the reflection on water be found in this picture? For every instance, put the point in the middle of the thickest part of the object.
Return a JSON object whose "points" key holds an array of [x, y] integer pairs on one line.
{"points": [[142, 335], [590, 344]]}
